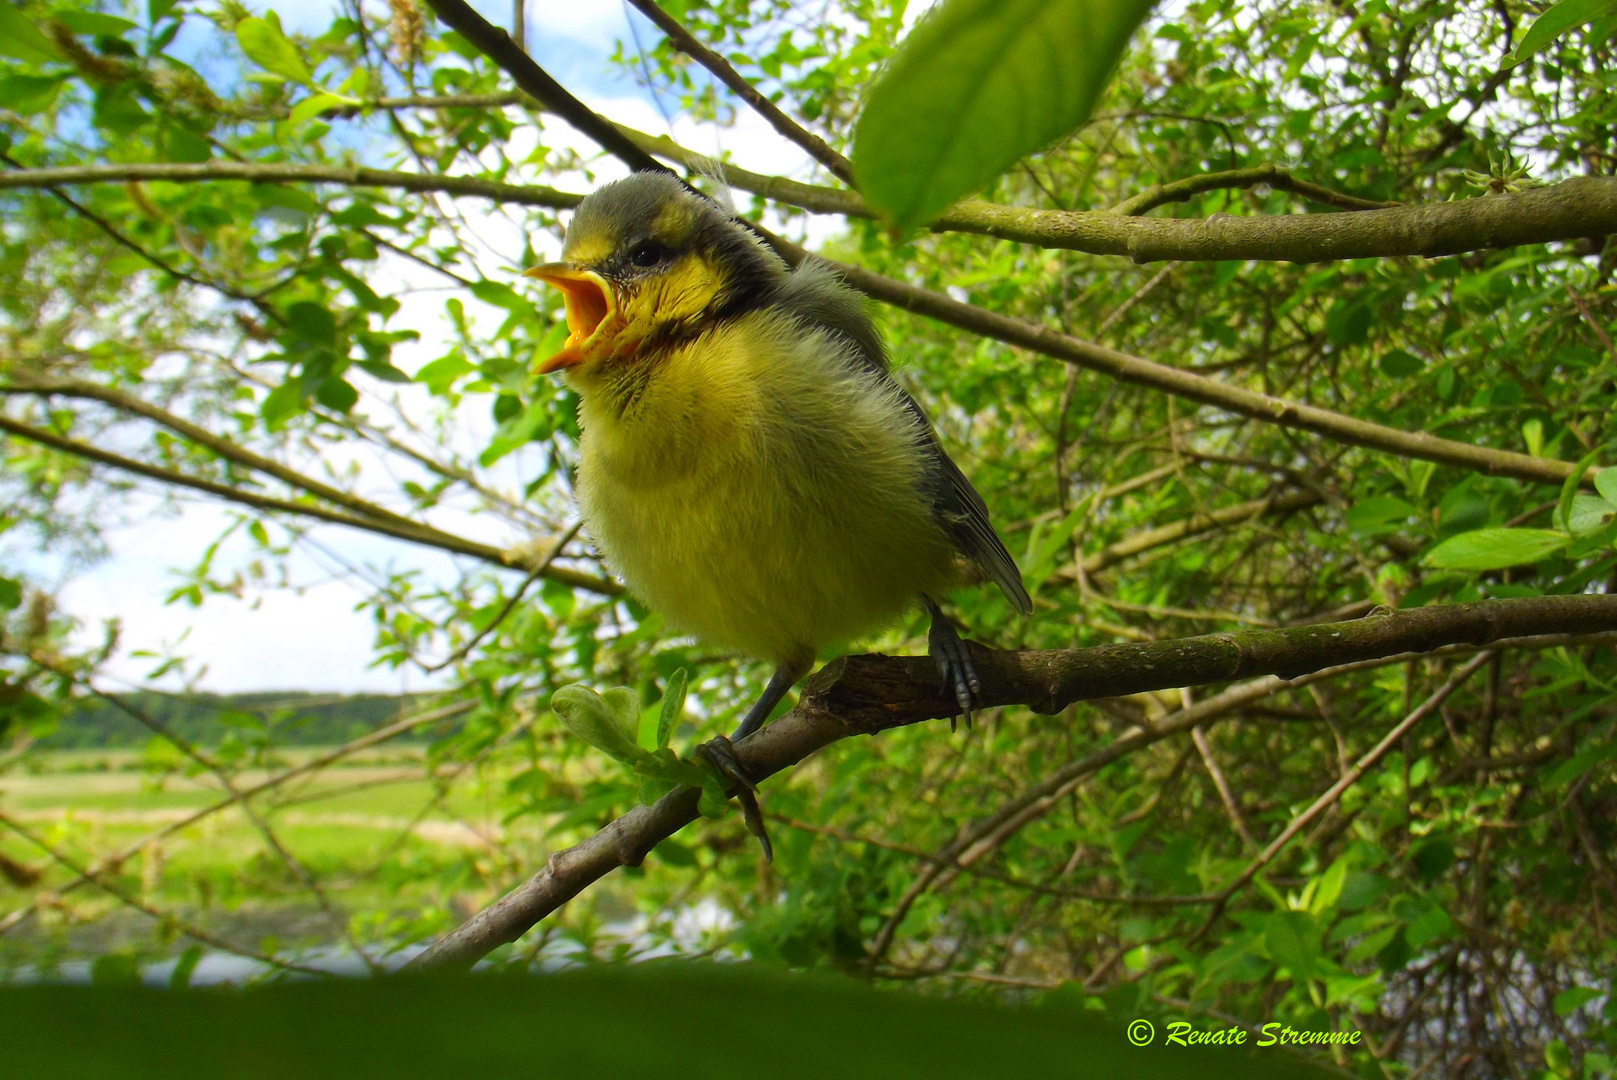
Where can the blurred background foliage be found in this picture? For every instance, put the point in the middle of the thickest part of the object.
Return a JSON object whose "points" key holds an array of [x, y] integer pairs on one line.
{"points": [[1457, 904]]}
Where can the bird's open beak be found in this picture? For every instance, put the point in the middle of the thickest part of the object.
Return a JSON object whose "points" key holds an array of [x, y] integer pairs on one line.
{"points": [[589, 303]]}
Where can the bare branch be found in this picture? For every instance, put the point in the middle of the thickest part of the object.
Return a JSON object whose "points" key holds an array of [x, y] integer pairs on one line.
{"points": [[497, 45], [1347, 780], [683, 40], [1194, 525], [416, 534], [276, 172]]}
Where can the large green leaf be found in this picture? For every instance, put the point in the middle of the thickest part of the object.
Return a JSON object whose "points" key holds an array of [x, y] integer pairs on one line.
{"points": [[27, 95], [1495, 549], [977, 85], [1557, 21], [270, 49], [21, 37]]}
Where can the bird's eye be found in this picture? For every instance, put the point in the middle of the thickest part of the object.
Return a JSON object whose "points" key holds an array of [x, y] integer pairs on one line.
{"points": [[646, 254]]}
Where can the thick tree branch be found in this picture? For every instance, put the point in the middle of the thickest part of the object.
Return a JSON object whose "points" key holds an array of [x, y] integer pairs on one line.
{"points": [[686, 43], [1571, 210], [869, 694], [415, 534]]}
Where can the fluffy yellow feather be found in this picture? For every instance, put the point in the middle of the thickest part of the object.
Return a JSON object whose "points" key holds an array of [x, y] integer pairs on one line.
{"points": [[760, 492]]}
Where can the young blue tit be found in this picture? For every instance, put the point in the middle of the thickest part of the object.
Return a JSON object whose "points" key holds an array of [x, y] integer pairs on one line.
{"points": [[748, 466]]}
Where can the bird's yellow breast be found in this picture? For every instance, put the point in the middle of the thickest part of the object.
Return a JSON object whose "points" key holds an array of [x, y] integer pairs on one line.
{"points": [[759, 491]]}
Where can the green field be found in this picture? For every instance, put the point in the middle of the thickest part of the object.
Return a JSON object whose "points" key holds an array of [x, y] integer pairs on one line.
{"points": [[383, 838]]}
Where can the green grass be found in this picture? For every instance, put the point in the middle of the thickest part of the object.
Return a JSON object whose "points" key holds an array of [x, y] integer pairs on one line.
{"points": [[368, 829]]}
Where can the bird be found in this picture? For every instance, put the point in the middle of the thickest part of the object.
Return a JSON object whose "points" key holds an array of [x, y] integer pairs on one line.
{"points": [[747, 464]]}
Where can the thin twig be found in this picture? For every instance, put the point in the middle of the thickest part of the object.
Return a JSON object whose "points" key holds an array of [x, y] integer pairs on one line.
{"points": [[683, 40], [1347, 780], [510, 605]]}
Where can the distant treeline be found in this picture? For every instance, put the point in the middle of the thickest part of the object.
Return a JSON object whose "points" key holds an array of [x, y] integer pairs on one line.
{"points": [[291, 718]]}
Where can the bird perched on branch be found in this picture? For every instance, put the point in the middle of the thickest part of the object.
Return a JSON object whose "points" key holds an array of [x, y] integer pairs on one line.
{"points": [[748, 466]]}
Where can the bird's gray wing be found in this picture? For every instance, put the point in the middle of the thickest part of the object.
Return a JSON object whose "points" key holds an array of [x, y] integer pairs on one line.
{"points": [[964, 516], [814, 294]]}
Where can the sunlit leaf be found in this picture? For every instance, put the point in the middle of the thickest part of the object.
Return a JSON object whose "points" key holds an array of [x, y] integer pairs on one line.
{"points": [[28, 95], [21, 37], [1495, 549], [1557, 21], [605, 721], [271, 50], [673, 707], [977, 85]]}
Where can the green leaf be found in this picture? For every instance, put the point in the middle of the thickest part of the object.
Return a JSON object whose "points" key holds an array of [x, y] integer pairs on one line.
{"points": [[336, 393], [977, 85], [282, 403], [1433, 925], [516, 431], [22, 39], [312, 323], [184, 966], [182, 145], [1590, 514], [439, 374], [10, 594], [1378, 511], [270, 49], [1606, 484], [92, 23], [605, 721], [315, 105], [1555, 22], [28, 95], [1569, 488], [1580, 763], [674, 853], [381, 369], [1373, 944], [118, 111], [1433, 857], [1495, 549], [713, 803], [1571, 1000], [673, 707], [1293, 942], [1330, 887], [1401, 364]]}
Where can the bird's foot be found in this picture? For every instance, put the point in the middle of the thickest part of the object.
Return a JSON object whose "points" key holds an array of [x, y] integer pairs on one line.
{"points": [[955, 669], [721, 755]]}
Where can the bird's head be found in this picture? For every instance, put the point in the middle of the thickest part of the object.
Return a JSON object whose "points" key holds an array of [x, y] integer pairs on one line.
{"points": [[648, 262]]}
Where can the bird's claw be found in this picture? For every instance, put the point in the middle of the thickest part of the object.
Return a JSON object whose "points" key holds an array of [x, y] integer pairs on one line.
{"points": [[721, 754], [956, 672]]}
